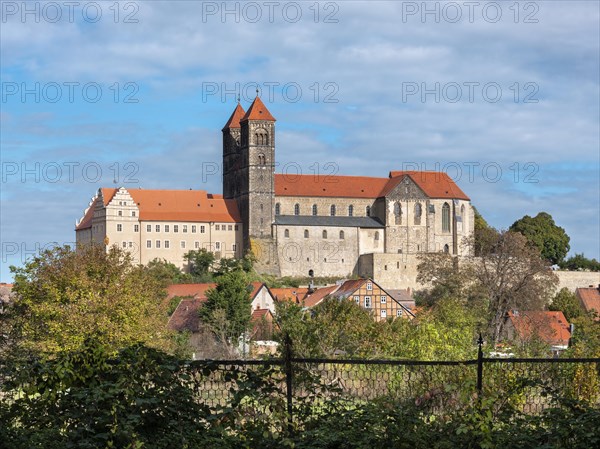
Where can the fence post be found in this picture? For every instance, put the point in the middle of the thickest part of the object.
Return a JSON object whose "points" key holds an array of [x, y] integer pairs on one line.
{"points": [[480, 366], [287, 362]]}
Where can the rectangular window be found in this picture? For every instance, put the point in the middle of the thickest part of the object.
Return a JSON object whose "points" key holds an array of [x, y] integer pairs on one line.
{"points": [[368, 302], [217, 245], [202, 229], [383, 313], [196, 245], [399, 312], [193, 229], [234, 247], [182, 244], [131, 244], [369, 286], [133, 213], [166, 228], [148, 228], [383, 299], [184, 228], [148, 243], [120, 213], [158, 243], [124, 244], [235, 227], [217, 227], [119, 227], [175, 228], [157, 228], [229, 228], [167, 244], [357, 299], [136, 228]]}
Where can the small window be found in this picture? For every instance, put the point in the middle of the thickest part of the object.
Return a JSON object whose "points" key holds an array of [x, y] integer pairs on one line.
{"points": [[194, 229], [446, 249], [376, 235], [399, 312], [166, 228], [306, 233], [324, 234], [235, 227], [217, 227], [234, 247], [368, 302], [418, 213], [157, 228], [131, 244], [182, 243], [357, 299], [133, 213], [368, 211], [148, 243], [136, 228], [158, 244], [332, 210], [119, 227], [184, 228], [229, 227], [167, 244], [314, 209], [286, 233], [383, 299], [196, 245], [217, 245], [148, 228], [296, 209], [369, 286], [277, 209], [383, 313], [124, 244], [202, 229], [341, 235], [351, 210], [175, 228], [120, 213]]}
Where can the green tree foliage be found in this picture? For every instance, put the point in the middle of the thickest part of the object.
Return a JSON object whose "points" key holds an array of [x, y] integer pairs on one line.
{"points": [[484, 234], [227, 309], [66, 296], [167, 273], [566, 302], [541, 231], [579, 262], [200, 261]]}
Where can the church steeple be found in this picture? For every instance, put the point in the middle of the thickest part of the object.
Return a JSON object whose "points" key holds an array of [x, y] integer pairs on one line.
{"points": [[231, 152], [236, 117], [258, 111]]}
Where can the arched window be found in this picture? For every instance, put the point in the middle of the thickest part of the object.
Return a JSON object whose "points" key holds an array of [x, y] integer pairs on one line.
{"points": [[324, 234], [277, 209], [351, 210], [296, 209], [418, 213], [311, 273], [332, 210], [368, 211], [306, 233], [376, 235], [286, 233], [261, 137], [261, 159], [446, 217], [261, 207], [341, 235], [446, 249], [397, 213], [314, 209]]}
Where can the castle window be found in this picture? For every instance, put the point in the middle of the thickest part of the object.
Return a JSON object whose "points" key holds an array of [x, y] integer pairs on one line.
{"points": [[376, 235], [296, 209], [324, 234], [446, 249], [167, 244], [157, 228], [217, 228], [229, 227], [261, 137], [261, 159], [341, 235], [184, 228], [277, 209], [202, 229], [286, 233], [194, 229], [261, 207], [418, 213], [166, 228], [197, 245], [148, 228], [124, 245], [120, 213], [217, 245], [332, 210], [182, 243], [351, 210], [175, 228], [119, 227], [133, 213], [397, 213], [233, 247], [446, 217], [306, 233], [136, 228], [314, 209], [157, 244], [148, 243], [368, 211]]}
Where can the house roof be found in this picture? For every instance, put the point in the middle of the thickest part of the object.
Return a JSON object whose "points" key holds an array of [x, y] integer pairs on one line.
{"points": [[348, 287], [236, 116], [259, 314], [186, 316], [172, 205], [319, 294], [338, 221], [290, 294], [257, 111], [433, 184], [196, 291], [551, 327], [589, 298]]}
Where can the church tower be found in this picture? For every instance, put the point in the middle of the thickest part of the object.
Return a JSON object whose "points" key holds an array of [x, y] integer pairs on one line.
{"points": [[249, 171]]}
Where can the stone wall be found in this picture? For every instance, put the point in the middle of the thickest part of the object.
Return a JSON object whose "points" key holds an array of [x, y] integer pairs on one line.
{"points": [[575, 279]]}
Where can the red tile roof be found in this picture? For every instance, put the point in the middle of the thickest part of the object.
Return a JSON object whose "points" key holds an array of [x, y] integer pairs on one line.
{"points": [[173, 205], [258, 111], [551, 327], [195, 291], [318, 295], [348, 287], [433, 184], [186, 316], [589, 298], [290, 294], [236, 116]]}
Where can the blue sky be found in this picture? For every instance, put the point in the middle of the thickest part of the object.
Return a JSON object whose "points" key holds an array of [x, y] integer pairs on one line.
{"points": [[503, 96]]}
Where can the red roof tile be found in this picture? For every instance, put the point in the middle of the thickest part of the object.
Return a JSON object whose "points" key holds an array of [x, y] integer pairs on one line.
{"points": [[319, 294], [290, 294], [186, 316], [236, 116], [258, 111], [551, 327], [589, 298], [349, 287], [195, 291], [434, 184]]}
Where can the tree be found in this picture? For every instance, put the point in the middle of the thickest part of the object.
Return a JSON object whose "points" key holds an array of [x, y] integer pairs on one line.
{"points": [[167, 273], [566, 302], [579, 262], [227, 310], [66, 296], [484, 233], [200, 261], [541, 231]]}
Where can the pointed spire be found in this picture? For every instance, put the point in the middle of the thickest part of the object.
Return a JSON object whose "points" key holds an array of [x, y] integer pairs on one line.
{"points": [[234, 120], [258, 111]]}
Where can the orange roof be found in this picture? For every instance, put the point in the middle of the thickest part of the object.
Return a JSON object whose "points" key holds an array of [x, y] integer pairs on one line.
{"points": [[258, 111], [349, 287], [589, 298], [259, 314], [433, 184], [552, 327], [290, 294], [196, 291], [173, 205], [320, 294], [236, 116]]}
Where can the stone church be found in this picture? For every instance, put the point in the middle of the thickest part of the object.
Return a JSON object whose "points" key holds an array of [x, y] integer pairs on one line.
{"points": [[296, 225]]}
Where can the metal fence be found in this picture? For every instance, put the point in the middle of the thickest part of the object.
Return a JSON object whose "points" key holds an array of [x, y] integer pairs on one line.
{"points": [[293, 383]]}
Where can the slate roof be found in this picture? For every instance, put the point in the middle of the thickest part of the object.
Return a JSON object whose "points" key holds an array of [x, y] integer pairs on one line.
{"points": [[316, 220]]}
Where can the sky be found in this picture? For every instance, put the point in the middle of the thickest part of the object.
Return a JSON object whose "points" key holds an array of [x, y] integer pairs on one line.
{"points": [[502, 96]]}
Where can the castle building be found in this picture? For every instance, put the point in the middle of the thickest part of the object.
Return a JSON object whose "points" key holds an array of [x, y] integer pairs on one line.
{"points": [[296, 225]]}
